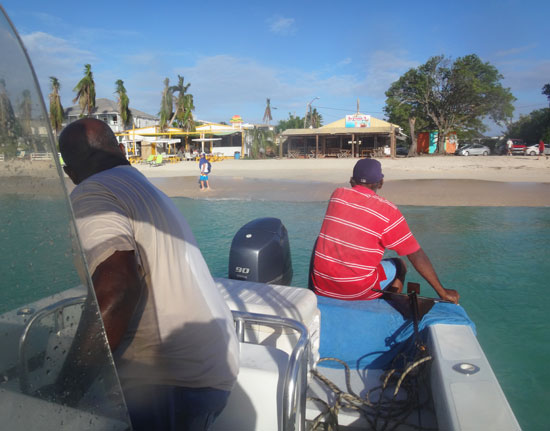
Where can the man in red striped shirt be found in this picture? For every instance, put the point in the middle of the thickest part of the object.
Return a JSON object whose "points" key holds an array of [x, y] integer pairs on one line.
{"points": [[358, 227]]}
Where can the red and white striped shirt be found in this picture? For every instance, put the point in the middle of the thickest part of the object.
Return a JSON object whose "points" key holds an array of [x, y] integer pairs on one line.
{"points": [[358, 226]]}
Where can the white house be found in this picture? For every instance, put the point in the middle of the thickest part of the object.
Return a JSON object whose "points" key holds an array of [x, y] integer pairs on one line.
{"points": [[107, 111]]}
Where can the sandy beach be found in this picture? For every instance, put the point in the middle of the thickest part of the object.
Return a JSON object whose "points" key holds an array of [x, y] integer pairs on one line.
{"points": [[426, 180]]}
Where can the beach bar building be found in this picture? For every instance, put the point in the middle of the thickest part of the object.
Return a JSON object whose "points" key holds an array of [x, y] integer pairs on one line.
{"points": [[356, 135]]}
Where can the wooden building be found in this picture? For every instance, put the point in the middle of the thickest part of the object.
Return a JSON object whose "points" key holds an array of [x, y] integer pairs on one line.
{"points": [[356, 135]]}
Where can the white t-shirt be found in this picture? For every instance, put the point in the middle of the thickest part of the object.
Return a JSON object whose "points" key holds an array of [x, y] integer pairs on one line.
{"points": [[183, 332]]}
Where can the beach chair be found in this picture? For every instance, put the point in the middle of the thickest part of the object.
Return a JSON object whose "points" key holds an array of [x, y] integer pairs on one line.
{"points": [[158, 161], [149, 159]]}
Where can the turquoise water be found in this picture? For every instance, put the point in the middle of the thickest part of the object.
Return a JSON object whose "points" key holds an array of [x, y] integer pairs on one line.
{"points": [[497, 258]]}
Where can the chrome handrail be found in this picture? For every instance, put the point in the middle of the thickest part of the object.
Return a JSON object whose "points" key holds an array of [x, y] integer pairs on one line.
{"points": [[295, 381], [40, 314]]}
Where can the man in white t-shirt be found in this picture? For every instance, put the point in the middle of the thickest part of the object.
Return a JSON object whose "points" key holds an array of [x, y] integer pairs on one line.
{"points": [[169, 328]]}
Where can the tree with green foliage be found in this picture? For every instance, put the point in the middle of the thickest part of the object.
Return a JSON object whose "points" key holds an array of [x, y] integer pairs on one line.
{"points": [[546, 92], [8, 123], [314, 118], [85, 92], [454, 96], [166, 105], [262, 143], [123, 103], [531, 127], [183, 115], [56, 109], [293, 122]]}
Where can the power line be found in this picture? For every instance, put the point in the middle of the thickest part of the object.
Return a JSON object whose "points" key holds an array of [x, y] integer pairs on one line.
{"points": [[346, 110]]}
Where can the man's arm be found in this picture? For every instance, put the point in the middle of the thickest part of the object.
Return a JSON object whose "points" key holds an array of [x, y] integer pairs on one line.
{"points": [[117, 286], [422, 264]]}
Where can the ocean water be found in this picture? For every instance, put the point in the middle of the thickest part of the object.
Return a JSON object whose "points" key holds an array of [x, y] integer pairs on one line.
{"points": [[497, 258]]}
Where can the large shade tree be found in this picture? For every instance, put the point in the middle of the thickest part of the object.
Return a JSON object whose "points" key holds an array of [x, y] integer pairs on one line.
{"points": [[454, 96], [546, 92], [85, 92], [56, 109], [123, 103]]}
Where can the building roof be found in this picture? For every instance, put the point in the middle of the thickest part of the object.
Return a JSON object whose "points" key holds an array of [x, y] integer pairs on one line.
{"points": [[338, 127], [107, 106]]}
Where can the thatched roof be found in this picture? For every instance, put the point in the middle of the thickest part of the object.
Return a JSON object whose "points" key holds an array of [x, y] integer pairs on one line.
{"points": [[338, 127]]}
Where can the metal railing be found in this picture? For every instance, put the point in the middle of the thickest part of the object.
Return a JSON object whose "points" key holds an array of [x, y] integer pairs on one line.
{"points": [[39, 315], [295, 380]]}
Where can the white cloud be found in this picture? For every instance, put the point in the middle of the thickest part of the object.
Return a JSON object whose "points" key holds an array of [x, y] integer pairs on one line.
{"points": [[54, 56], [514, 51], [282, 25]]}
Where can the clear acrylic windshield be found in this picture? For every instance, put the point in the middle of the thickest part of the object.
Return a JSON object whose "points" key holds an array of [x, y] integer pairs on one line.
{"points": [[47, 380]]}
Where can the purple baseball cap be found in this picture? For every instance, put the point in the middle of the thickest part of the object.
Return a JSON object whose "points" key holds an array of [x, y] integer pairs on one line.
{"points": [[367, 171]]}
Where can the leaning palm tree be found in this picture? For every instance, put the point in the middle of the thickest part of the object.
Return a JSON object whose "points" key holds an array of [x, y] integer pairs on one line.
{"points": [[85, 91], [123, 103], [165, 105], [56, 109], [267, 113], [181, 89]]}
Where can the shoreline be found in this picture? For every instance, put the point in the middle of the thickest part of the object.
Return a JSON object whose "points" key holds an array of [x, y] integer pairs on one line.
{"points": [[422, 192], [514, 181]]}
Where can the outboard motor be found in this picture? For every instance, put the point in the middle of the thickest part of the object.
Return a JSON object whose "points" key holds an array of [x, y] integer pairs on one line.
{"points": [[260, 251]]}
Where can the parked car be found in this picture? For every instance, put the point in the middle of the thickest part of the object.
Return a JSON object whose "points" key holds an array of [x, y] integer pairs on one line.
{"points": [[533, 150], [518, 147], [401, 150], [473, 150], [501, 149]]}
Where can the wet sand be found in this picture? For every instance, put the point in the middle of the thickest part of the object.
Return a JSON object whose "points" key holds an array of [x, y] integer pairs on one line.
{"points": [[427, 180], [401, 192]]}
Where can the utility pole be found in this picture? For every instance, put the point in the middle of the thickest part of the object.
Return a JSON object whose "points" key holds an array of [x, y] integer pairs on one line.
{"points": [[308, 110]]}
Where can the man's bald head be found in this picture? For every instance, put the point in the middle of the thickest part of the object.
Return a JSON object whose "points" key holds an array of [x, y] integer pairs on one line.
{"points": [[89, 146]]}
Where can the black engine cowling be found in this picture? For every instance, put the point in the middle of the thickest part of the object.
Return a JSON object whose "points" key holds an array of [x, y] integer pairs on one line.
{"points": [[260, 251]]}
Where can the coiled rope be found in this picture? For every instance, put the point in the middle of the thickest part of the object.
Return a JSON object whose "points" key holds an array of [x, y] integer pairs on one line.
{"points": [[380, 407]]}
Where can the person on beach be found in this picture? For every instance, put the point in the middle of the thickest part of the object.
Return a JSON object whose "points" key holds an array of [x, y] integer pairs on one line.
{"points": [[205, 168], [509, 145], [358, 227], [541, 149], [169, 328]]}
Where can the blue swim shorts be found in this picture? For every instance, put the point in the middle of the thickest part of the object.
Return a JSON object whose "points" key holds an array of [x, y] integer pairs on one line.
{"points": [[204, 178], [390, 270]]}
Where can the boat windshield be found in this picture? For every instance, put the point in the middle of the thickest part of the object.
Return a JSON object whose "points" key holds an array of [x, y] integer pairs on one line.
{"points": [[47, 305]]}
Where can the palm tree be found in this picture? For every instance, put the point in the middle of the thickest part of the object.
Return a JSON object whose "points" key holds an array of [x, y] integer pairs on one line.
{"points": [[8, 123], [123, 103], [181, 89], [56, 109], [165, 104], [316, 119], [262, 141], [267, 113], [25, 120], [85, 91]]}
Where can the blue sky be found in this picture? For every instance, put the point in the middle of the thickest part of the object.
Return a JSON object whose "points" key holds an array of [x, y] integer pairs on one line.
{"points": [[236, 54]]}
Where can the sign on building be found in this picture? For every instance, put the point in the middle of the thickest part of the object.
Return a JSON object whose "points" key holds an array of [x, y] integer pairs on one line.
{"points": [[358, 120]]}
